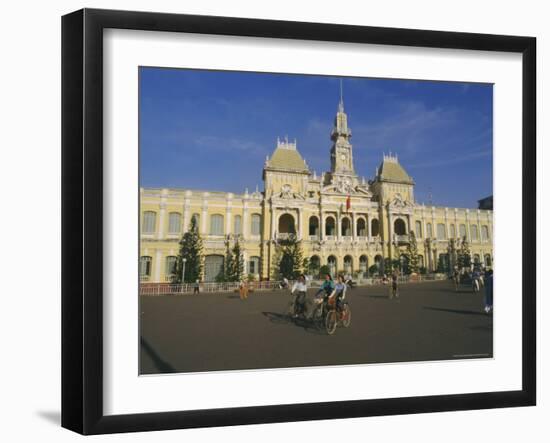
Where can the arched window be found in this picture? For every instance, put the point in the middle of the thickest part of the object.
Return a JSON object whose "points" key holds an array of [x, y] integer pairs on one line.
{"points": [[488, 261], [441, 234], [453, 231], [314, 265], [149, 222], [363, 264], [484, 233], [429, 230], [418, 228], [420, 261], [145, 266], [313, 226], [332, 265], [361, 228], [375, 227], [170, 266], [255, 224], [399, 227], [476, 259], [174, 223], [330, 226], [473, 232], [346, 227], [379, 262], [462, 230], [216, 224], [348, 264], [254, 265], [237, 225], [286, 224]]}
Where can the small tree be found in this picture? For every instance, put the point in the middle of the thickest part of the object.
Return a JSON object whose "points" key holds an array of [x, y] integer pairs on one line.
{"points": [[290, 259], [191, 249], [324, 270], [412, 254], [464, 255], [374, 270], [237, 266]]}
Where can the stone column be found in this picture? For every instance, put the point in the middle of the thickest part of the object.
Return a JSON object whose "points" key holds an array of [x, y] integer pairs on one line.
{"points": [[245, 220], [322, 225], [338, 225], [228, 227], [185, 214], [158, 265], [204, 214], [468, 233], [368, 222], [162, 217], [272, 214], [354, 225]]}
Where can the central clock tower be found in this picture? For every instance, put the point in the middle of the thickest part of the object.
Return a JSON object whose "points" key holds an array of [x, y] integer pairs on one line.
{"points": [[341, 154]]}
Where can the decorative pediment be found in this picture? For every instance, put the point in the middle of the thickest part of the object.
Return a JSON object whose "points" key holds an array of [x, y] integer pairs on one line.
{"points": [[287, 193], [399, 203], [346, 186]]}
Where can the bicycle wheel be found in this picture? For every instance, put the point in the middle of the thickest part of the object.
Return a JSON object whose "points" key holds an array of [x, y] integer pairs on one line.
{"points": [[331, 321], [346, 316], [317, 316]]}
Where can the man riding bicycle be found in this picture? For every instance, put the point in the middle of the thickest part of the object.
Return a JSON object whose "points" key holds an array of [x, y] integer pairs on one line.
{"points": [[299, 291]]}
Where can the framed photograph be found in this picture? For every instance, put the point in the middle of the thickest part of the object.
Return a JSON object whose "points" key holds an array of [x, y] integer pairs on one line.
{"points": [[269, 221]]}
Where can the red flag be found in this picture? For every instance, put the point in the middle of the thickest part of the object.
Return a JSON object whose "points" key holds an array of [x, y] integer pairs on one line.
{"points": [[348, 203]]}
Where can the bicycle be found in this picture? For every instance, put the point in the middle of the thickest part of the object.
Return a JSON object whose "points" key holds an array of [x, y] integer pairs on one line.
{"points": [[329, 313]]}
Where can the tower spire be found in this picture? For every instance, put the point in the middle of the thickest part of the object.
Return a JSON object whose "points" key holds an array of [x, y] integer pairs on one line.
{"points": [[341, 104]]}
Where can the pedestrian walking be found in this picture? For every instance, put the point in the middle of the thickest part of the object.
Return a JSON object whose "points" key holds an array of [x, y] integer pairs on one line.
{"points": [[196, 287], [243, 290], [456, 278], [488, 291], [394, 289]]}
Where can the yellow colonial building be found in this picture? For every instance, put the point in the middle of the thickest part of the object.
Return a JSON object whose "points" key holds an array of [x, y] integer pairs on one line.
{"points": [[343, 221]]}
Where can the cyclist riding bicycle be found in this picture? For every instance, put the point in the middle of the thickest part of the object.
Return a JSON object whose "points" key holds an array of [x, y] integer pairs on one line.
{"points": [[299, 291], [326, 288], [339, 292]]}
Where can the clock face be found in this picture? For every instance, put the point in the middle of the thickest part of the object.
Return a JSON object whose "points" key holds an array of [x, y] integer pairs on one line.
{"points": [[343, 157]]}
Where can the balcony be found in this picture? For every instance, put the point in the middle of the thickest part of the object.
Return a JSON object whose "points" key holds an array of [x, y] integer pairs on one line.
{"points": [[313, 238], [401, 239], [285, 236]]}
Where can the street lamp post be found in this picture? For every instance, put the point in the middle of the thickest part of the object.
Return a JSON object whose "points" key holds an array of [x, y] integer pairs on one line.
{"points": [[183, 270]]}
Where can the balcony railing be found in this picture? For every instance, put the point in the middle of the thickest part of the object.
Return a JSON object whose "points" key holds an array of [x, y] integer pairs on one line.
{"points": [[286, 236], [402, 238], [314, 237]]}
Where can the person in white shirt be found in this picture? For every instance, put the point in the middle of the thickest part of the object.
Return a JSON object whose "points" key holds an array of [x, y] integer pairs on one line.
{"points": [[299, 290]]}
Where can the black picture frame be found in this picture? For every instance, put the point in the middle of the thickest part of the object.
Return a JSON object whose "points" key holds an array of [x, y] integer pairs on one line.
{"points": [[82, 215]]}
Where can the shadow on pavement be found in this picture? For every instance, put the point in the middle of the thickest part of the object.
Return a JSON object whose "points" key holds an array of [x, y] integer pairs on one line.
{"points": [[455, 311], [304, 323], [159, 363]]}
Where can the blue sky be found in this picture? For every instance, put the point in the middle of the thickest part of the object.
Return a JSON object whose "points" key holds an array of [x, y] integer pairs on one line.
{"points": [[212, 130]]}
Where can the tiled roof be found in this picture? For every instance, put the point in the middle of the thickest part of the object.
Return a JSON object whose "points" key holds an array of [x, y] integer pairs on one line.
{"points": [[289, 159], [391, 170]]}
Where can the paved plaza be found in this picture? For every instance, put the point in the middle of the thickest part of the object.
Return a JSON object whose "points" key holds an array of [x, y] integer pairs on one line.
{"points": [[206, 332]]}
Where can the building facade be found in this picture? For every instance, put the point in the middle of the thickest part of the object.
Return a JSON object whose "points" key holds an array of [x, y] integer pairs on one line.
{"points": [[343, 221]]}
